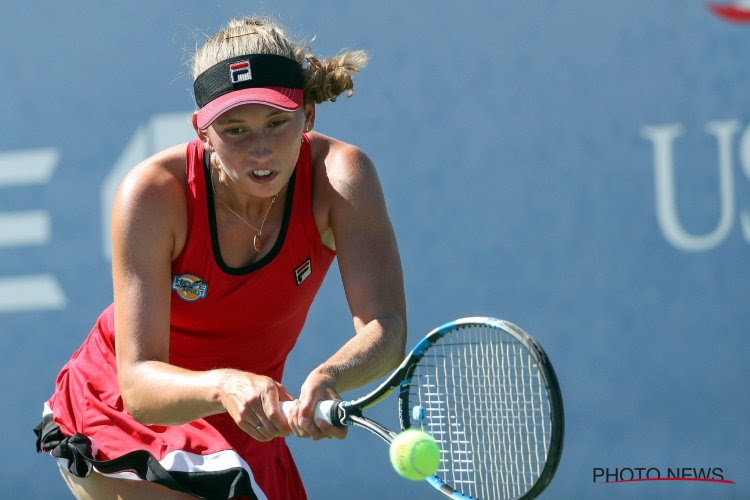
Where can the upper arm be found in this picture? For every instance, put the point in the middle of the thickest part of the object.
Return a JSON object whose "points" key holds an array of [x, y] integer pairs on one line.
{"points": [[147, 211], [365, 241]]}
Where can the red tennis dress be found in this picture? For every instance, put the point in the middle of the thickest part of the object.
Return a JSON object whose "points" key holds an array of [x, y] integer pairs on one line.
{"points": [[246, 318]]}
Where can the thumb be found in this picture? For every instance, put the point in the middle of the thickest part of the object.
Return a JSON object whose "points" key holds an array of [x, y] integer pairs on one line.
{"points": [[284, 394]]}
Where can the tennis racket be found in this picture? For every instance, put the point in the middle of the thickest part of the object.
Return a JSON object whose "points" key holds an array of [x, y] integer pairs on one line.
{"points": [[486, 392]]}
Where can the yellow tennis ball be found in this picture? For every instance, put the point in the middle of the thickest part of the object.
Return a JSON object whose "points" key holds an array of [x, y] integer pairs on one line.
{"points": [[415, 454]]}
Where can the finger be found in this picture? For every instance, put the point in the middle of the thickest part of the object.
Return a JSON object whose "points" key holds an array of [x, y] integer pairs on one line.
{"points": [[317, 429], [331, 431], [314, 433], [292, 420], [291, 416], [247, 417], [284, 394], [266, 427], [252, 426], [307, 426], [272, 416], [311, 427]]}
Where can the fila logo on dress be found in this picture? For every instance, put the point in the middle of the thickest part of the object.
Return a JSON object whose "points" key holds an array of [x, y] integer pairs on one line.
{"points": [[240, 71], [303, 271], [189, 287]]}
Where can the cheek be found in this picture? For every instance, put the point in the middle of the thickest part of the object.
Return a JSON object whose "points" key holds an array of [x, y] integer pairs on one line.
{"points": [[294, 148], [288, 146], [228, 156]]}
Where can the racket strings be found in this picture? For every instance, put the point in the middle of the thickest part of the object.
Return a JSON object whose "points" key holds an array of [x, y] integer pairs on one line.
{"points": [[485, 402]]}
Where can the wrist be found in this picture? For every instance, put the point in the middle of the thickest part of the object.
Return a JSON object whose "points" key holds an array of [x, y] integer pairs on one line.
{"points": [[219, 383], [325, 374]]}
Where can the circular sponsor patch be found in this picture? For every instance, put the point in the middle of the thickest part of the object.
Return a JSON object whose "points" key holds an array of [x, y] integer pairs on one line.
{"points": [[189, 287]]}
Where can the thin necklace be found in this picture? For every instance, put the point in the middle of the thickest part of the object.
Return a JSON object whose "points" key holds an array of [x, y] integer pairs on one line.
{"points": [[257, 242]]}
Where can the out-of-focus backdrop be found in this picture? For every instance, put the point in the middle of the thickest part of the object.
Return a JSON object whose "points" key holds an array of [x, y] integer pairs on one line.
{"points": [[581, 168]]}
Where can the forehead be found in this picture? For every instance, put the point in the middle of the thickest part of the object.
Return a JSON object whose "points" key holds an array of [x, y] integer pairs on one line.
{"points": [[251, 112]]}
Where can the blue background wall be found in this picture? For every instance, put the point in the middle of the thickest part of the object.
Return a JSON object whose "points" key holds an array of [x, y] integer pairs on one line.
{"points": [[522, 148]]}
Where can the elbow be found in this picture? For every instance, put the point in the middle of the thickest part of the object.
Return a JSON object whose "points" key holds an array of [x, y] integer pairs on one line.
{"points": [[138, 411], [131, 403], [397, 340], [131, 398]]}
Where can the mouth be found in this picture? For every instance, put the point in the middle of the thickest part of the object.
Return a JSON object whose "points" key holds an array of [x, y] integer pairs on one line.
{"points": [[262, 175]]}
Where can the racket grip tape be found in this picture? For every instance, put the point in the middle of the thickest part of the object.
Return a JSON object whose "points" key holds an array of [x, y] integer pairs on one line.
{"points": [[326, 410]]}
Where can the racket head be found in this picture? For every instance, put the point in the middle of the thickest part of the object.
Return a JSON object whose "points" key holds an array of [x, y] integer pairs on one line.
{"points": [[487, 392]]}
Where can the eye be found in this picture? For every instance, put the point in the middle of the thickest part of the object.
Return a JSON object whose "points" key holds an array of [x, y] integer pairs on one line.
{"points": [[278, 122], [235, 131]]}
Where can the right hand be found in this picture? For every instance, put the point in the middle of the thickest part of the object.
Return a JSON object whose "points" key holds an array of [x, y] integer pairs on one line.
{"points": [[317, 387], [253, 401]]}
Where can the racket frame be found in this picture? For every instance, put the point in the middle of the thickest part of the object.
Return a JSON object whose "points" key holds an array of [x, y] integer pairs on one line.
{"points": [[557, 415], [350, 412]]}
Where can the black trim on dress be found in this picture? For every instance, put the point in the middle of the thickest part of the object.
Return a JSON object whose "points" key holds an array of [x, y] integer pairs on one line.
{"points": [[76, 449], [215, 234]]}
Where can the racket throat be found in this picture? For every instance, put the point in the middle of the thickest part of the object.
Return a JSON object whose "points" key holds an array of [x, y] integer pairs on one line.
{"points": [[372, 426]]}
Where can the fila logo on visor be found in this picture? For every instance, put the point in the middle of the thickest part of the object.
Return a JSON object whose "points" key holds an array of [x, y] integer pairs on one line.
{"points": [[303, 271], [240, 71]]}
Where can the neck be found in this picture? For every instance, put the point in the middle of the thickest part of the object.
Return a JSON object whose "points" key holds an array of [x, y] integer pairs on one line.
{"points": [[231, 196]]}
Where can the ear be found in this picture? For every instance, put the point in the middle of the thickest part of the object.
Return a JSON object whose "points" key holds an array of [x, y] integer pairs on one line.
{"points": [[201, 133], [309, 117]]}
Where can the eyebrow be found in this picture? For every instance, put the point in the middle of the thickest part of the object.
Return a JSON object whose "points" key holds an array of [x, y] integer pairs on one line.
{"points": [[229, 121]]}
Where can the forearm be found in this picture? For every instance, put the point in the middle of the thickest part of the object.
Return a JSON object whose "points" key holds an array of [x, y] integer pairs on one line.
{"points": [[376, 349], [157, 393]]}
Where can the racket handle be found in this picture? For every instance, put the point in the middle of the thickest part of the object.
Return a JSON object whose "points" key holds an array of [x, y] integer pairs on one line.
{"points": [[326, 410]]}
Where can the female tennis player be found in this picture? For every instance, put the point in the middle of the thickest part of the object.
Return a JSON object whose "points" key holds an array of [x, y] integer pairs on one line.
{"points": [[219, 247]]}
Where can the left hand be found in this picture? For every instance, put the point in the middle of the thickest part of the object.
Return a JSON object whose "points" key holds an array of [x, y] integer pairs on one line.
{"points": [[317, 387]]}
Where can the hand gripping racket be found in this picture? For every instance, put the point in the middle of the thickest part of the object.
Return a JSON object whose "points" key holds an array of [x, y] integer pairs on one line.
{"points": [[485, 390]]}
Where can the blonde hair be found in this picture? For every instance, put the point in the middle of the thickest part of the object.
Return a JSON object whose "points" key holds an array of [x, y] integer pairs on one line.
{"points": [[325, 79]]}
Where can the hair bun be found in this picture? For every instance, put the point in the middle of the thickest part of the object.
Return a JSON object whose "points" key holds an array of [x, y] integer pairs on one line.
{"points": [[326, 79]]}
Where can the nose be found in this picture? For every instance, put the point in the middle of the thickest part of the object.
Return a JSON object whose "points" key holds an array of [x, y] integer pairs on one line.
{"points": [[259, 148]]}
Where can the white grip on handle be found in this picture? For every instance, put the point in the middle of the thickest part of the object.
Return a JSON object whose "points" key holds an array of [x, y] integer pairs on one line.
{"points": [[322, 409]]}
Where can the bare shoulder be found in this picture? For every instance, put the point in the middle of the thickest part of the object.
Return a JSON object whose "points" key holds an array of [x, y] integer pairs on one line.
{"points": [[342, 167], [152, 195], [344, 181], [162, 173]]}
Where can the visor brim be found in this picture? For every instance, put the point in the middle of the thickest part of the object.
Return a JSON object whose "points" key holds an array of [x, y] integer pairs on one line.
{"points": [[285, 99]]}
